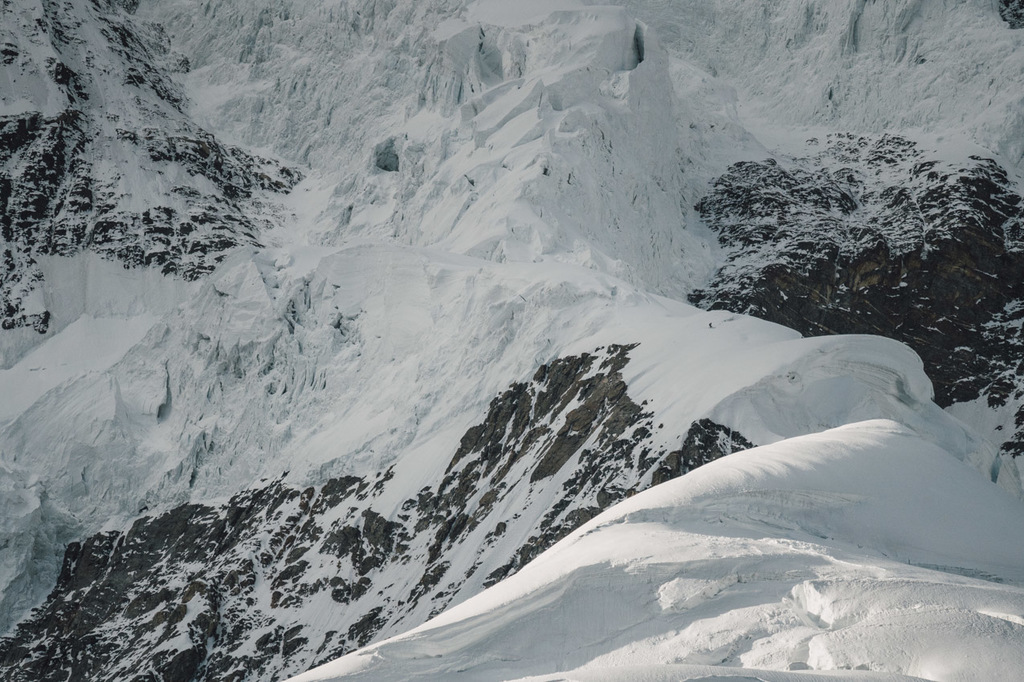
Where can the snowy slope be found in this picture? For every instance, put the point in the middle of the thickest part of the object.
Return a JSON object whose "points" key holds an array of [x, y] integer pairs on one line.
{"points": [[185, 415], [330, 412], [859, 548]]}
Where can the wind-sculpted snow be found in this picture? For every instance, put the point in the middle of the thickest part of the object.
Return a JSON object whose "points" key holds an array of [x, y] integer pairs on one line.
{"points": [[810, 555]]}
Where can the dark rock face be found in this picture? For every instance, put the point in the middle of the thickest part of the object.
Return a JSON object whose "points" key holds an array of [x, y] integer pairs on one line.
{"points": [[223, 593], [705, 442], [1012, 12], [385, 157], [576, 408], [190, 576], [873, 236], [118, 168]]}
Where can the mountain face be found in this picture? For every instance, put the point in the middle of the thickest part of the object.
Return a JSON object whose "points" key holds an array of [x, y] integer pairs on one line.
{"points": [[231, 577], [877, 236], [92, 120], [327, 320], [739, 571]]}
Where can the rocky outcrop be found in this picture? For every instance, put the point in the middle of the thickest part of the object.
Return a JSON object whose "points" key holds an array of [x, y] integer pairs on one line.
{"points": [[705, 442], [576, 408], [225, 592], [106, 159], [179, 587], [874, 235], [1012, 11]]}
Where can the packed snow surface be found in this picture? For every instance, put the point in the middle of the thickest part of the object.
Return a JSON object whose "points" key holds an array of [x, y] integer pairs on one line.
{"points": [[861, 548]]}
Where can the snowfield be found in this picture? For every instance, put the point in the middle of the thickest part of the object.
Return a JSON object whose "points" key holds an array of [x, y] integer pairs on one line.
{"points": [[861, 548]]}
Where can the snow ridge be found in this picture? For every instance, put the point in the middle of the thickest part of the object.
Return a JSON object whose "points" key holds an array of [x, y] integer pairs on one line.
{"points": [[799, 556]]}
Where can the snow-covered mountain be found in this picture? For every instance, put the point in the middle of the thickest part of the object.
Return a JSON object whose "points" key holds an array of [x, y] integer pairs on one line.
{"points": [[324, 317], [810, 554], [98, 155]]}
